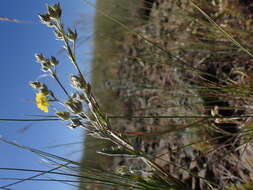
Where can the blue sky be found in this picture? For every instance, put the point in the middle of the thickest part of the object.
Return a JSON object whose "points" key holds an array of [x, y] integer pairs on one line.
{"points": [[19, 43]]}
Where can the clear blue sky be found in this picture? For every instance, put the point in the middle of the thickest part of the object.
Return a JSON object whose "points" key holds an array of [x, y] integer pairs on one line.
{"points": [[19, 43]]}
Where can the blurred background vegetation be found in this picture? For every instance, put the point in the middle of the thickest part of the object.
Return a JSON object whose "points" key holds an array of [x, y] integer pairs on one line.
{"points": [[212, 77]]}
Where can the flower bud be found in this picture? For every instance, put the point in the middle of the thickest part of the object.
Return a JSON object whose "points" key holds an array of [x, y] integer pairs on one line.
{"points": [[74, 106], [45, 66], [54, 11], [57, 10], [77, 82], [78, 96], [72, 35], [58, 35], [45, 18], [63, 115], [50, 11], [40, 86], [74, 123], [45, 90], [40, 58], [53, 61], [36, 85]]}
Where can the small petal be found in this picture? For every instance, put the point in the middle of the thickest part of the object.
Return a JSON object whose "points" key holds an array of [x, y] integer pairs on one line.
{"points": [[42, 102]]}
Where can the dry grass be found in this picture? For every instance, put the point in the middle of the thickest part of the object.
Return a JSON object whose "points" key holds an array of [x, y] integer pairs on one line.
{"points": [[212, 80]]}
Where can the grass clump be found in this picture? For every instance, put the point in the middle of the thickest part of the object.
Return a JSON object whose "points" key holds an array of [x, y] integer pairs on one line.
{"points": [[180, 78]]}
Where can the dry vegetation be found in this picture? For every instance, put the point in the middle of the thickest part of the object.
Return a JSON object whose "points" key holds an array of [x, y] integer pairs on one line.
{"points": [[185, 87]]}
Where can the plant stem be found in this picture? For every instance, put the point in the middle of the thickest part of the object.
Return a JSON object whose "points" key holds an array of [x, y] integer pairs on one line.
{"points": [[60, 84]]}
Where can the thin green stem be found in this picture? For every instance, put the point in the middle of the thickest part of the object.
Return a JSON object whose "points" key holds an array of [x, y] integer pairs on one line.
{"points": [[59, 82], [69, 50], [32, 177]]}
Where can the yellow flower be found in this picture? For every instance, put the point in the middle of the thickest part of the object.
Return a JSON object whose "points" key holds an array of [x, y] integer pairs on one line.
{"points": [[41, 101]]}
